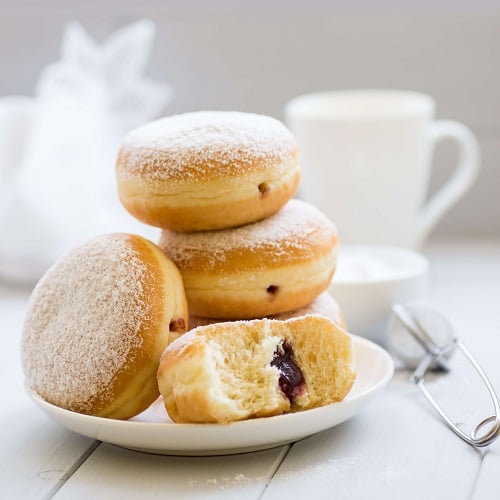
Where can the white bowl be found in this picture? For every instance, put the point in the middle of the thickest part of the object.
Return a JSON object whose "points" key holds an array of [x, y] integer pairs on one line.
{"points": [[370, 279]]}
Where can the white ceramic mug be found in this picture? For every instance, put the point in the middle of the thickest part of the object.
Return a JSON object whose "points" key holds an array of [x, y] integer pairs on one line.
{"points": [[366, 162]]}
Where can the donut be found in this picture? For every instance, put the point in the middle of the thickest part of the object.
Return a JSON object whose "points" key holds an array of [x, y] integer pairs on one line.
{"points": [[207, 170], [97, 323], [324, 305], [238, 370], [272, 266]]}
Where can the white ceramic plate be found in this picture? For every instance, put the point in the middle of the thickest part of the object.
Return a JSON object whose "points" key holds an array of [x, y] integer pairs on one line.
{"points": [[152, 431]]}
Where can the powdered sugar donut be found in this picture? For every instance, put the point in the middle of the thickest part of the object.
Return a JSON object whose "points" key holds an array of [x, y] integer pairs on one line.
{"points": [[97, 324], [207, 170], [324, 305], [279, 264]]}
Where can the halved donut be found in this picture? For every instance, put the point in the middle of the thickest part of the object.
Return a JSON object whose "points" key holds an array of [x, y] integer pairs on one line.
{"points": [[244, 369]]}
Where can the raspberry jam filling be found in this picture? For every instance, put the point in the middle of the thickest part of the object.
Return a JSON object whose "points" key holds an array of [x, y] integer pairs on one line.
{"points": [[291, 380], [263, 188], [177, 325], [272, 290]]}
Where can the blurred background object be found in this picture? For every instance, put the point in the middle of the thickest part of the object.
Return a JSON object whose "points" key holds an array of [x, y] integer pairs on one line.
{"points": [[58, 148], [255, 56], [366, 158]]}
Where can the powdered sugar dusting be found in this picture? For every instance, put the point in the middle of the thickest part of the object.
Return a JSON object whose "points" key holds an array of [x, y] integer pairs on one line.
{"points": [[205, 143], [297, 226], [82, 323]]}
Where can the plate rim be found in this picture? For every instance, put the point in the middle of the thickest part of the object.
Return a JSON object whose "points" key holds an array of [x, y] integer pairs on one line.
{"points": [[255, 424]]}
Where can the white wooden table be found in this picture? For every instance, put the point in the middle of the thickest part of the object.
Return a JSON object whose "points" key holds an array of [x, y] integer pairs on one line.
{"points": [[396, 448]]}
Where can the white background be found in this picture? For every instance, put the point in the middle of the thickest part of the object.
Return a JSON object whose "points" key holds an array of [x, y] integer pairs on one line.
{"points": [[254, 56]]}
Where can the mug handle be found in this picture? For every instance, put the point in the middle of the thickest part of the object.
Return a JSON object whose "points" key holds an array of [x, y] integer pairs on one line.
{"points": [[462, 178]]}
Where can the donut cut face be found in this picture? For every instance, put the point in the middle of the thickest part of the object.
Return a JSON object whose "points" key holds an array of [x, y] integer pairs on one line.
{"points": [[279, 264], [97, 324], [207, 170], [237, 370]]}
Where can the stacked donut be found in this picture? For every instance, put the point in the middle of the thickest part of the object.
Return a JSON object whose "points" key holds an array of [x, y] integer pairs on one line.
{"points": [[105, 331], [220, 184]]}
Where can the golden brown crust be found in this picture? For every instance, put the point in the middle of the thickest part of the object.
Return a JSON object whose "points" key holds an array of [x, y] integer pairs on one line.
{"points": [[226, 207], [279, 264], [97, 324], [208, 170], [249, 295]]}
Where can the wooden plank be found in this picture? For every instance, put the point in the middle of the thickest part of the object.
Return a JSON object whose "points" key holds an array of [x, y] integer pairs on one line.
{"points": [[396, 449], [115, 473], [399, 448], [36, 454], [477, 320], [488, 481]]}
